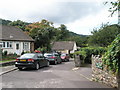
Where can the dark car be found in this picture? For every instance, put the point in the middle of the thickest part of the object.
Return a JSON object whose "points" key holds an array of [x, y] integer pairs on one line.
{"points": [[65, 57], [53, 58], [31, 60]]}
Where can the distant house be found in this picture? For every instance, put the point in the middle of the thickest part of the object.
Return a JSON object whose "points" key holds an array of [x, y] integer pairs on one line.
{"points": [[14, 40], [64, 46]]}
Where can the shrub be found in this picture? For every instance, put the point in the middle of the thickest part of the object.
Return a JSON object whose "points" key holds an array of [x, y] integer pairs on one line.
{"points": [[43, 49], [112, 56], [5, 53], [86, 53], [72, 55]]}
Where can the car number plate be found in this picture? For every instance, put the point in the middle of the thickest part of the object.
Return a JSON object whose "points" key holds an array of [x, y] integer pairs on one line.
{"points": [[22, 60]]}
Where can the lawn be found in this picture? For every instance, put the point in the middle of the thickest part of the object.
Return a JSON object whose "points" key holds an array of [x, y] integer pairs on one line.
{"points": [[7, 60]]}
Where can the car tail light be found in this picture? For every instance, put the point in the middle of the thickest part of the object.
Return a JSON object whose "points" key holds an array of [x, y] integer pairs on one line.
{"points": [[30, 60], [63, 57], [52, 57], [17, 59]]}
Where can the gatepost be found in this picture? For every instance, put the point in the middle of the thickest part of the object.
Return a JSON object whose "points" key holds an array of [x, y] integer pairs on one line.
{"points": [[77, 60]]}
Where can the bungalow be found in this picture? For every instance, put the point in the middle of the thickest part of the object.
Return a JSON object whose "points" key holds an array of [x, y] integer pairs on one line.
{"points": [[14, 40], [65, 47]]}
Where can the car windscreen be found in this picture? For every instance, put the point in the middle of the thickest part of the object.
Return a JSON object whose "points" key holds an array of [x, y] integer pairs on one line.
{"points": [[27, 56], [48, 55], [63, 55]]}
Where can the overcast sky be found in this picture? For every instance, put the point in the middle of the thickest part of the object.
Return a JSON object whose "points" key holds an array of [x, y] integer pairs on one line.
{"points": [[80, 16]]}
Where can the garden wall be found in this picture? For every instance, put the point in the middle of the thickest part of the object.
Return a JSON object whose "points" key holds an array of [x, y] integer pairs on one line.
{"points": [[101, 74]]}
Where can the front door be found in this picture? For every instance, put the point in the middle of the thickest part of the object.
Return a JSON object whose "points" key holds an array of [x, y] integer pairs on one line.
{"points": [[17, 47]]}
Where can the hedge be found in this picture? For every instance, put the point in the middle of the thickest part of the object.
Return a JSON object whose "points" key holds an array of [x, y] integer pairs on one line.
{"points": [[86, 53]]}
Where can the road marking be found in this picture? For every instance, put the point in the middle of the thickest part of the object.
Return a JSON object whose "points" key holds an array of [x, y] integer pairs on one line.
{"points": [[84, 76], [76, 68], [48, 71]]}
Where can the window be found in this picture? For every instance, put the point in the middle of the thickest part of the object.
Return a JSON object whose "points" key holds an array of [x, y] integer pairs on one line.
{"points": [[17, 46], [27, 55], [40, 56], [7, 44], [10, 44], [26, 46], [3, 44]]}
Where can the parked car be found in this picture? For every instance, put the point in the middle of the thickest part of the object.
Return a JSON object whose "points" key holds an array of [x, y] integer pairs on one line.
{"points": [[31, 60], [65, 57], [53, 58]]}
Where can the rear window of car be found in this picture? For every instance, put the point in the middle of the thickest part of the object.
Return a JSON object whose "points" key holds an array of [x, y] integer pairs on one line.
{"points": [[48, 55], [63, 55], [27, 55], [55, 54]]}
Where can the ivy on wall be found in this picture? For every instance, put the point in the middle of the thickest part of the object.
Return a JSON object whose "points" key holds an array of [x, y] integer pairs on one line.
{"points": [[112, 56]]}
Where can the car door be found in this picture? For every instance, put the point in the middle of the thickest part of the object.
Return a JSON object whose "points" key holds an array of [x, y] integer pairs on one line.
{"points": [[41, 59]]}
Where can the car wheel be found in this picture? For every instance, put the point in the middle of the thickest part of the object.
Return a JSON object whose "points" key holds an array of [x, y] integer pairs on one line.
{"points": [[48, 63], [65, 60], [55, 62], [37, 66], [20, 68], [60, 62]]}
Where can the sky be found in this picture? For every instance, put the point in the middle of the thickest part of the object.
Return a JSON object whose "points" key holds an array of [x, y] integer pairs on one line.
{"points": [[80, 16]]}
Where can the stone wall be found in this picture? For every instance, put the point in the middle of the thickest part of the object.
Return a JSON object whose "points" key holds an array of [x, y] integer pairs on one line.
{"points": [[101, 74]]}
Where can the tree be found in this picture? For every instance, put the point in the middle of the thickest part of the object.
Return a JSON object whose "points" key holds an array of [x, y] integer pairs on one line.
{"points": [[20, 24], [42, 32], [5, 22], [80, 40], [61, 33], [104, 36], [115, 6]]}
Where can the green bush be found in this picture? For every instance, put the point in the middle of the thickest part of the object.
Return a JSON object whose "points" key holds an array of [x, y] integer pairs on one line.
{"points": [[9, 56], [86, 53], [72, 55], [43, 49], [23, 52], [5, 53], [112, 56]]}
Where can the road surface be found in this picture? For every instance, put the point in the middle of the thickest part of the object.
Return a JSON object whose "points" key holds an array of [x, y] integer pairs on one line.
{"points": [[55, 76]]}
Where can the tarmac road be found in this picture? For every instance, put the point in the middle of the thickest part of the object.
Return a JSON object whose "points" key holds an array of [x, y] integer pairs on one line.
{"points": [[63, 75]]}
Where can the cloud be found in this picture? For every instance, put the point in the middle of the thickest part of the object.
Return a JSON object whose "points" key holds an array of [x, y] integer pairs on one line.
{"points": [[56, 11], [79, 15], [88, 23]]}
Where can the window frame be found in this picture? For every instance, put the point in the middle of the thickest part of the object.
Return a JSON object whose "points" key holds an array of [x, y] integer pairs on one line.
{"points": [[25, 45], [7, 44]]}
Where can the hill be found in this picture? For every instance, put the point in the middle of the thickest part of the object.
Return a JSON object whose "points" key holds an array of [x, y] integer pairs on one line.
{"points": [[5, 22]]}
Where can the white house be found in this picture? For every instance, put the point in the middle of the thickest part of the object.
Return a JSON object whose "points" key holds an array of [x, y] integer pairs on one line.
{"points": [[14, 40], [65, 46]]}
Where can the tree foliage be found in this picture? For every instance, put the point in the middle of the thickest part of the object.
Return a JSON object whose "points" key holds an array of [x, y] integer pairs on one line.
{"points": [[45, 33], [5, 22], [41, 32], [104, 36], [115, 6], [20, 24]]}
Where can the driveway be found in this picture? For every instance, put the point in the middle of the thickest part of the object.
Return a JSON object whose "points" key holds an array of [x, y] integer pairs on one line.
{"points": [[63, 75]]}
